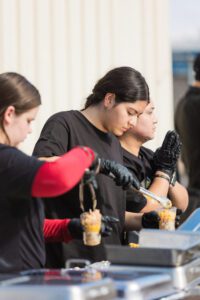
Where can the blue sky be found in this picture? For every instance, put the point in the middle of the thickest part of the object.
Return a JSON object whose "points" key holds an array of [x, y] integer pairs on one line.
{"points": [[185, 23]]}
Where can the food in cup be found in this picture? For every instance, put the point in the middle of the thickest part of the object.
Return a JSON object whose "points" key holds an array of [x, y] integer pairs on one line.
{"points": [[91, 222], [167, 218]]}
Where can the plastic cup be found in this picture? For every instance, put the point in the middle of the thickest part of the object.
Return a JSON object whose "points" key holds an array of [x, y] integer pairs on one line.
{"points": [[167, 218], [91, 222]]}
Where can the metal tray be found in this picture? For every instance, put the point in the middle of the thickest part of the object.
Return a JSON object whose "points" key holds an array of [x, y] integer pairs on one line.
{"points": [[54, 285], [139, 285], [151, 256]]}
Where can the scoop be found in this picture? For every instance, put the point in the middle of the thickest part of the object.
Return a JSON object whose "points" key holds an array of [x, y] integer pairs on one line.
{"points": [[165, 202]]}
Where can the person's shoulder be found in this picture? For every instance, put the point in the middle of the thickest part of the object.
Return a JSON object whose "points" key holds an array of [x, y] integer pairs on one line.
{"points": [[63, 115], [60, 120], [10, 154], [7, 149], [191, 96]]}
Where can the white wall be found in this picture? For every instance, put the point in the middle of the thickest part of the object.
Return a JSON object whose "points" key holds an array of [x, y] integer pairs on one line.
{"points": [[64, 46]]}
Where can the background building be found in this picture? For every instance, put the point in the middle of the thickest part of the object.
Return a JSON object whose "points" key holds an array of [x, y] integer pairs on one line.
{"points": [[64, 46]]}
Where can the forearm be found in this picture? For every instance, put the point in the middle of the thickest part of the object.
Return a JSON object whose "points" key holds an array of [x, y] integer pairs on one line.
{"points": [[179, 196], [160, 187], [56, 230], [133, 221], [58, 177], [151, 205]]}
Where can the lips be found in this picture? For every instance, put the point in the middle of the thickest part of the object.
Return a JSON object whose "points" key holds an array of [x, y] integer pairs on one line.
{"points": [[125, 129]]}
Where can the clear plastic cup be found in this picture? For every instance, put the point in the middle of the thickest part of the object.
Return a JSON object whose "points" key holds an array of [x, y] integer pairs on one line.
{"points": [[91, 222], [167, 218]]}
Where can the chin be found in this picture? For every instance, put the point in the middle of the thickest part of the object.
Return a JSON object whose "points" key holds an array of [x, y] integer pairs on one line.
{"points": [[151, 138], [119, 133], [148, 138]]}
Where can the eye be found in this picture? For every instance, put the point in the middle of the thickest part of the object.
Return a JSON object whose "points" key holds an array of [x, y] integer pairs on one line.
{"points": [[131, 113], [150, 112]]}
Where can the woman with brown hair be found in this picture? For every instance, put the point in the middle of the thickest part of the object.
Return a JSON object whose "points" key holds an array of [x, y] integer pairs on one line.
{"points": [[23, 178]]}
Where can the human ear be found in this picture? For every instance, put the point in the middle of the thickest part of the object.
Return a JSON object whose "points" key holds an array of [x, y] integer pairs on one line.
{"points": [[109, 100], [9, 114]]}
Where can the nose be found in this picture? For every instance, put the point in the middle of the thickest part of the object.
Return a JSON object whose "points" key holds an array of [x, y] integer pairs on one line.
{"points": [[155, 121]]}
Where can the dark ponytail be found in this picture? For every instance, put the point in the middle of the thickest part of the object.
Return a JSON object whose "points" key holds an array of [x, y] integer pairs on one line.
{"points": [[126, 83]]}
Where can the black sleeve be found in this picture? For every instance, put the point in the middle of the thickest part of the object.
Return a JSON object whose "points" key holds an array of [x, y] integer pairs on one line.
{"points": [[17, 171], [135, 202], [53, 140]]}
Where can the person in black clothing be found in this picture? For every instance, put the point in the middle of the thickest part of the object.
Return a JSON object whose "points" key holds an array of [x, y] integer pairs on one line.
{"points": [[24, 178], [113, 107], [187, 124], [149, 167]]}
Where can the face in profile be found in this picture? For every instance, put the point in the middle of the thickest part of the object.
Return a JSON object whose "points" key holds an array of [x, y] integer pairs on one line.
{"points": [[19, 126], [146, 125], [120, 117]]}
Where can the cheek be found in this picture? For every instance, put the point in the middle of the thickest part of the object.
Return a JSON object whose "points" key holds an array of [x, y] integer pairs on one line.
{"points": [[24, 128], [117, 117]]}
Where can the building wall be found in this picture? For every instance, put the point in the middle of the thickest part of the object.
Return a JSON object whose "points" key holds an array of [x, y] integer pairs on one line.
{"points": [[64, 46]]}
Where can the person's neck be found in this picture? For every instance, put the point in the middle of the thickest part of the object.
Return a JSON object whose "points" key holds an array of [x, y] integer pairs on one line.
{"points": [[196, 84], [131, 144], [93, 115], [3, 139]]}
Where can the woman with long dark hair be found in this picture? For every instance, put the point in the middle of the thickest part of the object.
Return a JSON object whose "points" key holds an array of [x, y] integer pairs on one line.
{"points": [[117, 100]]}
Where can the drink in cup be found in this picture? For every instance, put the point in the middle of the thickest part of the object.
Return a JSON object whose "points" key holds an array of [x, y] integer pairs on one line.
{"points": [[91, 222], [167, 218]]}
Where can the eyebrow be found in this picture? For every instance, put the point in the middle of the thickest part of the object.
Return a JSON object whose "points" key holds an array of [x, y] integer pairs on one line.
{"points": [[138, 113], [152, 108], [132, 109]]}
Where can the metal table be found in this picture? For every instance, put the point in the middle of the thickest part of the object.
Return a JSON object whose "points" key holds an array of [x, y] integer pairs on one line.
{"points": [[56, 285]]}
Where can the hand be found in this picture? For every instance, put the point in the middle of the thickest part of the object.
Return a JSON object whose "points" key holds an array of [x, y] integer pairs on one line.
{"points": [[76, 229], [95, 166], [150, 220], [122, 176], [165, 157], [90, 174], [106, 225], [90, 177]]}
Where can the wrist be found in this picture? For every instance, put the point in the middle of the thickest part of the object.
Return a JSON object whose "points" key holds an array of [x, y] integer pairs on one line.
{"points": [[168, 172], [173, 179], [75, 228], [162, 175]]}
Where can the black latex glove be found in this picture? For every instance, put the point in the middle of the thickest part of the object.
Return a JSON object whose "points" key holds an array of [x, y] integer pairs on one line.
{"points": [[122, 176], [165, 157], [76, 230], [151, 219], [106, 225], [90, 177]]}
